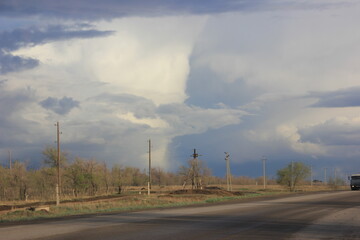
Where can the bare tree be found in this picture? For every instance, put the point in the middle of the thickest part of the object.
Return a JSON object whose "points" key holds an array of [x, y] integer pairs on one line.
{"points": [[117, 177], [194, 173]]}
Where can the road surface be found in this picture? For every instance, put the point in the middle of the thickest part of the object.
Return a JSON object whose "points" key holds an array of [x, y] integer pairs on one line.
{"points": [[334, 215]]}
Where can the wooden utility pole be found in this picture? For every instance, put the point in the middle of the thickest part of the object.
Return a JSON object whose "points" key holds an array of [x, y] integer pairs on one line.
{"points": [[325, 179], [264, 170], [292, 176], [58, 163], [228, 172], [149, 181], [311, 175], [196, 181], [10, 161]]}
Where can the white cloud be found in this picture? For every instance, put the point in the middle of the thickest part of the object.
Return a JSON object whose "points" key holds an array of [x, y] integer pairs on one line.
{"points": [[132, 85], [292, 137], [289, 52], [144, 57], [185, 119], [129, 86], [151, 122]]}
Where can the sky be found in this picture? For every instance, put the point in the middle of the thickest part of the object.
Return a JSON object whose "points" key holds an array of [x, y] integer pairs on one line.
{"points": [[274, 79]]}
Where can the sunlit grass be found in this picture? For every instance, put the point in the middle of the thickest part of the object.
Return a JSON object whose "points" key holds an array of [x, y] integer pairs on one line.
{"points": [[129, 203], [160, 199]]}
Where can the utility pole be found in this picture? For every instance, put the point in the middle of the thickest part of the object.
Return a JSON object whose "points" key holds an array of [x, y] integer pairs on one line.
{"points": [[58, 163], [325, 180], [292, 176], [196, 181], [149, 181], [228, 172], [195, 155], [264, 170], [10, 161], [311, 175]]}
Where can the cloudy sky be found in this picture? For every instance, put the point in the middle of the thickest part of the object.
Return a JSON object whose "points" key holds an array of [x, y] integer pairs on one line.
{"points": [[276, 78]]}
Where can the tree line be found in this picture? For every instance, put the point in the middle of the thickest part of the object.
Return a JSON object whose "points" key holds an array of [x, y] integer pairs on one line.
{"points": [[89, 177], [82, 177]]}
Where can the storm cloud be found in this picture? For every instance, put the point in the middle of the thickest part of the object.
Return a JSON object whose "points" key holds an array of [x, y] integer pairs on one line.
{"points": [[349, 97], [11, 63], [30, 37], [249, 77], [108, 9], [60, 106], [340, 131]]}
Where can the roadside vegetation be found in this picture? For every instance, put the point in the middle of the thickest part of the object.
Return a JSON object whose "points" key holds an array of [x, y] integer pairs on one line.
{"points": [[293, 174], [82, 177], [88, 186], [127, 202], [136, 198]]}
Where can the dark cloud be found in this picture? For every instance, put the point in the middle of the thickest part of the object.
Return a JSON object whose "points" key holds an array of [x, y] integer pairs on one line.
{"points": [[60, 106], [107, 9], [332, 133], [92, 9], [338, 99], [11, 63], [3, 81], [18, 38], [15, 39], [26, 138], [11, 102], [206, 89], [12, 123]]}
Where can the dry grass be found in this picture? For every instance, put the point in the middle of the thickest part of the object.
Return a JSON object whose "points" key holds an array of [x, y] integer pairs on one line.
{"points": [[137, 199], [300, 188], [125, 203]]}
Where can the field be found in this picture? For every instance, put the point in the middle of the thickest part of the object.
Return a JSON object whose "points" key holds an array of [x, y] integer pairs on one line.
{"points": [[136, 198]]}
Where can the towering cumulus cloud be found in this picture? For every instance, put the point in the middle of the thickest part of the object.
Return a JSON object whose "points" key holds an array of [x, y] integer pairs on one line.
{"points": [[251, 78]]}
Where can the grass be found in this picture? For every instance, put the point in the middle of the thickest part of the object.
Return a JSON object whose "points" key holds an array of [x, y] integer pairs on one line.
{"points": [[132, 202], [228, 198]]}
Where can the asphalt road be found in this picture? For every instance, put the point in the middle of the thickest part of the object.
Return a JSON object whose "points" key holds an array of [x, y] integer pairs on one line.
{"points": [[333, 215]]}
